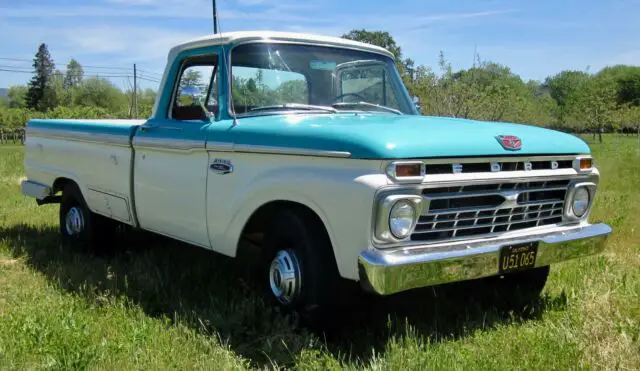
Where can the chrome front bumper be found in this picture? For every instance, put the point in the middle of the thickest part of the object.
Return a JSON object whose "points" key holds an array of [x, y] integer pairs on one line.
{"points": [[389, 271]]}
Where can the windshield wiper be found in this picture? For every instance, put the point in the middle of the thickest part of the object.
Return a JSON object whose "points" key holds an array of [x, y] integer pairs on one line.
{"points": [[367, 104], [301, 106]]}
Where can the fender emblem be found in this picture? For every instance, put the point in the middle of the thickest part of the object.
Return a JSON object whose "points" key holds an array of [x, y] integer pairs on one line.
{"points": [[509, 142], [221, 166]]}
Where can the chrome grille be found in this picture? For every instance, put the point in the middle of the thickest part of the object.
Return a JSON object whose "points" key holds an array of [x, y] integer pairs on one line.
{"points": [[482, 209]]}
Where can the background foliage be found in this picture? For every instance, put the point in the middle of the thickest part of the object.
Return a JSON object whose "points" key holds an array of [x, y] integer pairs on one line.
{"points": [[573, 101]]}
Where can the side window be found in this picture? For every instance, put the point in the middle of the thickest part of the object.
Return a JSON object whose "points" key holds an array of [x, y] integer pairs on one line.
{"points": [[197, 87], [256, 87]]}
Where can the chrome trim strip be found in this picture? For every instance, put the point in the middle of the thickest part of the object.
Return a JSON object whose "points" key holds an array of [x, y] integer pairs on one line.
{"points": [[466, 160], [453, 176], [388, 272], [79, 136], [33, 189], [219, 146], [250, 148], [168, 144], [446, 180], [504, 192]]}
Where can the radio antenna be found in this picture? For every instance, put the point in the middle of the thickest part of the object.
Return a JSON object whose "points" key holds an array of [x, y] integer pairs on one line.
{"points": [[215, 17]]}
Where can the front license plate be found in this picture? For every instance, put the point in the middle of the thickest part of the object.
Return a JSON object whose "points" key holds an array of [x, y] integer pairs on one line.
{"points": [[517, 257]]}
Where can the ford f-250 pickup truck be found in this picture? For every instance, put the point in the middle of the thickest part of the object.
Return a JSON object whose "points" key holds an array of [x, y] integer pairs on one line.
{"points": [[314, 145]]}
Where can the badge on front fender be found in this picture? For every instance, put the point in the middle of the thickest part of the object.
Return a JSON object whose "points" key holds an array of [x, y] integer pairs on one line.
{"points": [[221, 166]]}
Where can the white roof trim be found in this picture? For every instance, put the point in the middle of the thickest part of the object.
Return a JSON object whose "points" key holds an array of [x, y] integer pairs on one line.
{"points": [[243, 36]]}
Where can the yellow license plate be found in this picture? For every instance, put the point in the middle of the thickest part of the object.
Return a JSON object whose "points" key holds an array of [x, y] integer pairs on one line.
{"points": [[517, 257]]}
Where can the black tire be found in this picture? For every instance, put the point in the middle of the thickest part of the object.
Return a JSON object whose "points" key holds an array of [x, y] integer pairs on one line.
{"points": [[299, 234], [518, 289], [93, 233]]}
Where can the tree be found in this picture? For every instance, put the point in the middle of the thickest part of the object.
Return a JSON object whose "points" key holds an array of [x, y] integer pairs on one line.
{"points": [[191, 77], [379, 38], [74, 74], [17, 95], [627, 79], [596, 105], [99, 92], [37, 95], [565, 87], [385, 40]]}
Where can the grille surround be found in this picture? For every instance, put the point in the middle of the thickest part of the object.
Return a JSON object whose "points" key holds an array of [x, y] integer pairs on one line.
{"points": [[463, 212]]}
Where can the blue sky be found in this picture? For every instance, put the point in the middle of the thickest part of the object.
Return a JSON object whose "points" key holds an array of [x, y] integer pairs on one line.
{"points": [[534, 38]]}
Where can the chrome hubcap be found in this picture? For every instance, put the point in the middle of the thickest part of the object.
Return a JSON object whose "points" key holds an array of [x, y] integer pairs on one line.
{"points": [[74, 221], [284, 276]]}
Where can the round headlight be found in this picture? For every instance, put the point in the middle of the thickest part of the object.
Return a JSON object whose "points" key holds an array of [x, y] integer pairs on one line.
{"points": [[580, 201], [401, 219]]}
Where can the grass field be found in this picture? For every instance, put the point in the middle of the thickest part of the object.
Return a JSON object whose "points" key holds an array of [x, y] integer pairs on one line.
{"points": [[157, 304]]}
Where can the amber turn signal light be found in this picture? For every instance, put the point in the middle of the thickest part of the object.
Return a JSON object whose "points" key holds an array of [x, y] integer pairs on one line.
{"points": [[585, 163], [406, 170]]}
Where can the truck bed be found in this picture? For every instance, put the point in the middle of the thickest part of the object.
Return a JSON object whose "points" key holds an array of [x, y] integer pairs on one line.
{"points": [[96, 154]]}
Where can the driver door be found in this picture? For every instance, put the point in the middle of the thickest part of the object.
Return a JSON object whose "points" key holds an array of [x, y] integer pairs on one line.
{"points": [[170, 170]]}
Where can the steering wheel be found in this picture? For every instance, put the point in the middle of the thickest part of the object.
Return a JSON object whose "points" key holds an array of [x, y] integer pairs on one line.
{"points": [[347, 94]]}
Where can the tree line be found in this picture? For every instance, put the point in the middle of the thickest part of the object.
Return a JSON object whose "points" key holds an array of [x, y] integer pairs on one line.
{"points": [[52, 93], [573, 101]]}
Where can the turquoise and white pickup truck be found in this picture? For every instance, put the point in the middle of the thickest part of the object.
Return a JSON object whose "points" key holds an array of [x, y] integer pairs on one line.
{"points": [[313, 146]]}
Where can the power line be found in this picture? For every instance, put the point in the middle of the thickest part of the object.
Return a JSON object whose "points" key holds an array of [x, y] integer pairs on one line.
{"points": [[84, 66], [87, 75], [16, 59]]}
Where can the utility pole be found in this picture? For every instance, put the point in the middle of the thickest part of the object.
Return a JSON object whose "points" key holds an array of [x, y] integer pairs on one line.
{"points": [[215, 17], [135, 90]]}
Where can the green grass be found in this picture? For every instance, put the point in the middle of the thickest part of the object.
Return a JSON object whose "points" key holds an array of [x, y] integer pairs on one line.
{"points": [[158, 304]]}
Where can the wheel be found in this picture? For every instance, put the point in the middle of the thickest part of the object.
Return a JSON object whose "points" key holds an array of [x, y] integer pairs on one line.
{"points": [[299, 272], [520, 288], [79, 226]]}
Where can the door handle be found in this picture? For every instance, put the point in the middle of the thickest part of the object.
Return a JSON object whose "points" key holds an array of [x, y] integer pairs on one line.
{"points": [[147, 127]]}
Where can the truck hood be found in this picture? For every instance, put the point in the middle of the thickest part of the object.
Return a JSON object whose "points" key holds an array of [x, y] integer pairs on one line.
{"points": [[382, 136]]}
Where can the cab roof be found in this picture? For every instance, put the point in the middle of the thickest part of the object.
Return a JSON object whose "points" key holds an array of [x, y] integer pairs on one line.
{"points": [[245, 36]]}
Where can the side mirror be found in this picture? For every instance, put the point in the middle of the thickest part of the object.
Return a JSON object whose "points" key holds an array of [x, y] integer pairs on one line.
{"points": [[416, 102], [192, 96]]}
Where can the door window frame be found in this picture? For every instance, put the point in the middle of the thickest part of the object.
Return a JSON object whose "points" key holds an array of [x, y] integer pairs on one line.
{"points": [[183, 65]]}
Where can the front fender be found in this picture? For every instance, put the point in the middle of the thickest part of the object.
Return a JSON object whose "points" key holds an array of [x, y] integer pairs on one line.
{"points": [[341, 197]]}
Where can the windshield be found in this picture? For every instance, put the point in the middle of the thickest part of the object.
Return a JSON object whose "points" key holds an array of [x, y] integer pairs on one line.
{"points": [[271, 77]]}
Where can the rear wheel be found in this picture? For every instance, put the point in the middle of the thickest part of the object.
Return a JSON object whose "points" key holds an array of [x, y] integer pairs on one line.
{"points": [[79, 226], [299, 272]]}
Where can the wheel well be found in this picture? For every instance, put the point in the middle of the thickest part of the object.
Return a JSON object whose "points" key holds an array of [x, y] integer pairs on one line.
{"points": [[59, 184], [255, 228]]}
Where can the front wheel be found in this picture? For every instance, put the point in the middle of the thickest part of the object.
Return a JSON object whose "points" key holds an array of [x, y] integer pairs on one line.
{"points": [[299, 272]]}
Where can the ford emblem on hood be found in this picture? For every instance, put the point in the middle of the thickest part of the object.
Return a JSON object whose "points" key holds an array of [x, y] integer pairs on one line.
{"points": [[510, 142]]}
